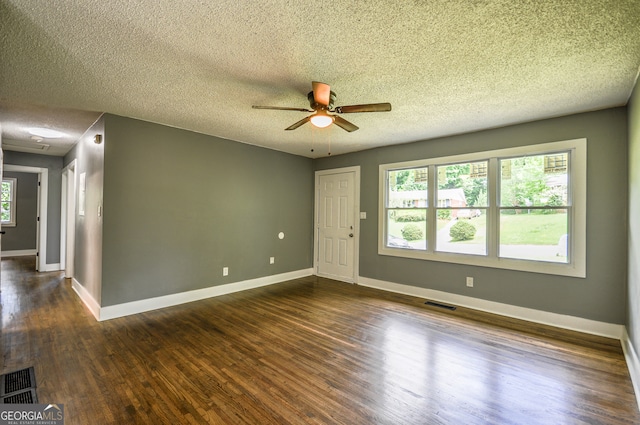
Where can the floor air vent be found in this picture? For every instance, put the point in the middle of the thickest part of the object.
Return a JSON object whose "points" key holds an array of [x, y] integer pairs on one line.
{"points": [[22, 397], [18, 387], [446, 307]]}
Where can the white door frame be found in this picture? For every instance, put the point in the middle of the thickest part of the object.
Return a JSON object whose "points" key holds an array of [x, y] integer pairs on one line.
{"points": [[68, 219], [356, 218], [41, 226]]}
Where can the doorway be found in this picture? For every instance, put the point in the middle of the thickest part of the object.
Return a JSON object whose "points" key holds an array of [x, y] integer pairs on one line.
{"points": [[41, 227], [68, 220], [337, 224]]}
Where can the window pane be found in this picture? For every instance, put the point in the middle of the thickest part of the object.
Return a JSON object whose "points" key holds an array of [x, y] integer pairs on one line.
{"points": [[462, 236], [462, 185], [6, 204], [407, 229], [6, 191], [537, 181], [539, 235], [407, 188]]}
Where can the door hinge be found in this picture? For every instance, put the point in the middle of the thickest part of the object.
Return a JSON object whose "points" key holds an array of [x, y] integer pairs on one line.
{"points": [[37, 254]]}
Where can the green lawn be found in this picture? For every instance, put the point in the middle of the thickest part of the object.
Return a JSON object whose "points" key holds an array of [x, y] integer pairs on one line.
{"points": [[524, 229], [532, 229]]}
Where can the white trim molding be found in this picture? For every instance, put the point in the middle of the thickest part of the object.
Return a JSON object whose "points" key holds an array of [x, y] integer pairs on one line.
{"points": [[633, 363], [609, 330], [43, 197], [87, 299], [46, 267], [19, 253], [141, 306], [50, 267]]}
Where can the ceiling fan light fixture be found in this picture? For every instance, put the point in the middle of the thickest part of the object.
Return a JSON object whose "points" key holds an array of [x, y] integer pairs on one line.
{"points": [[321, 120], [45, 133]]}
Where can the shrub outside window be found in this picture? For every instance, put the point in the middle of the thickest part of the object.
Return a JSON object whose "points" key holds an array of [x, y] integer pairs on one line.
{"points": [[520, 208]]}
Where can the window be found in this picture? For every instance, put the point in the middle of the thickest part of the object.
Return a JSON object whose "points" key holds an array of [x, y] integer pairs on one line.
{"points": [[407, 208], [534, 208], [8, 210], [462, 195], [520, 208]]}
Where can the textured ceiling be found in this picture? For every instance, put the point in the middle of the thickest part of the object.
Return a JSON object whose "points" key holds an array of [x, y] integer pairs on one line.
{"points": [[446, 66]]}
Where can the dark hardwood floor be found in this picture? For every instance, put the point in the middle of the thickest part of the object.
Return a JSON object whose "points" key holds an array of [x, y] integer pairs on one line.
{"points": [[309, 351]]}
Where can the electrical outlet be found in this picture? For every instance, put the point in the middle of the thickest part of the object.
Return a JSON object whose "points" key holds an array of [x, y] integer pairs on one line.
{"points": [[272, 260], [225, 271], [469, 282]]}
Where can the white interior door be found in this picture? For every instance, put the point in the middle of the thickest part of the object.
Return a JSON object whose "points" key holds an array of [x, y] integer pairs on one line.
{"points": [[337, 225]]}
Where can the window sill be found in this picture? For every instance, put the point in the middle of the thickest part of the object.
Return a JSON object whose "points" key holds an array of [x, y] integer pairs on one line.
{"points": [[559, 269]]}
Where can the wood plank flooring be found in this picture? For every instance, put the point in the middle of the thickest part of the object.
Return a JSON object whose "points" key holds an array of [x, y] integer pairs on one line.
{"points": [[309, 351]]}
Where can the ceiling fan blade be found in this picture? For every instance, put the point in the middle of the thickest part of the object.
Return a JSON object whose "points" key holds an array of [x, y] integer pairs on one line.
{"points": [[344, 124], [321, 93], [282, 108], [298, 124], [369, 107]]}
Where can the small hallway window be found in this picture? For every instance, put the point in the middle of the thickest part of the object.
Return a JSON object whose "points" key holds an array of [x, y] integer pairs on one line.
{"points": [[8, 207]]}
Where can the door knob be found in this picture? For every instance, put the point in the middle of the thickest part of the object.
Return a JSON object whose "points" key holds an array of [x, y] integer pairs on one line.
{"points": [[350, 235]]}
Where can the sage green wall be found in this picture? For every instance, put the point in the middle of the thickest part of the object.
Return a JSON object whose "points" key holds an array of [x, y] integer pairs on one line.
{"points": [[179, 206], [601, 296], [23, 235], [633, 302]]}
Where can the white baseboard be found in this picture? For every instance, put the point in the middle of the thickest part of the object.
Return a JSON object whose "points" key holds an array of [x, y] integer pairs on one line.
{"points": [[633, 363], [86, 298], [135, 307], [53, 267], [19, 253], [579, 324]]}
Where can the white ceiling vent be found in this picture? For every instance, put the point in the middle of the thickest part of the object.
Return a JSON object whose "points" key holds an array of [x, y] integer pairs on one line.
{"points": [[25, 146]]}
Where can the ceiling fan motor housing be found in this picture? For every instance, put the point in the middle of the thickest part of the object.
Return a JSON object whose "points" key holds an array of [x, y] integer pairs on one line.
{"points": [[315, 105]]}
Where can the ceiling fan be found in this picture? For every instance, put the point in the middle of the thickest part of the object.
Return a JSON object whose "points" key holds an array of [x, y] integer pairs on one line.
{"points": [[321, 101]]}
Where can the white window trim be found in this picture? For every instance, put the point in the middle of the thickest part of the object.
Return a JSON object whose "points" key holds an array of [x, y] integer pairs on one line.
{"points": [[576, 267], [14, 188]]}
